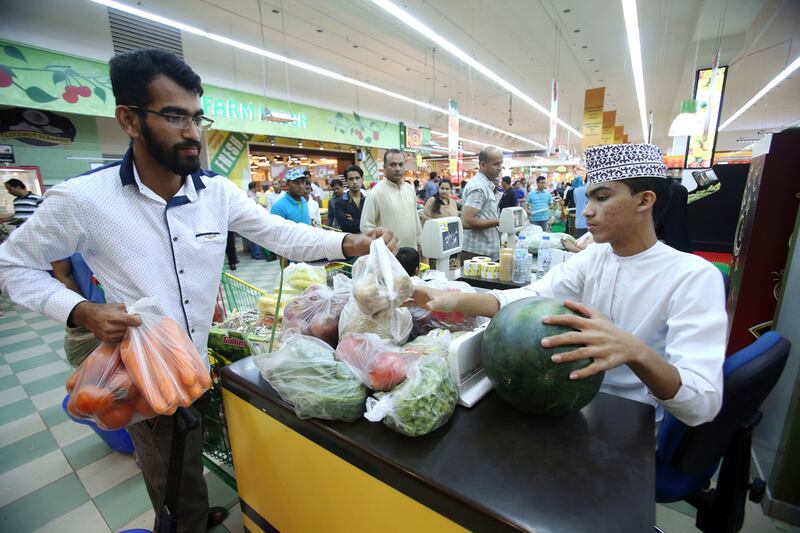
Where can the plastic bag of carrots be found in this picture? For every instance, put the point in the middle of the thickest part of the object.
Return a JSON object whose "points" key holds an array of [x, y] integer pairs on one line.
{"points": [[162, 360], [102, 390], [153, 371]]}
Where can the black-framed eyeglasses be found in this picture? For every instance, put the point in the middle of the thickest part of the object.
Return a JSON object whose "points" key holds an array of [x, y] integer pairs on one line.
{"points": [[178, 121]]}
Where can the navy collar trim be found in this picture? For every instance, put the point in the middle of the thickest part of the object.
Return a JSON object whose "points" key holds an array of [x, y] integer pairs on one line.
{"points": [[126, 173]]}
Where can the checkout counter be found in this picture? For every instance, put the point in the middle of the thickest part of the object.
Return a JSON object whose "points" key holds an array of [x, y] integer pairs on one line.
{"points": [[489, 469]]}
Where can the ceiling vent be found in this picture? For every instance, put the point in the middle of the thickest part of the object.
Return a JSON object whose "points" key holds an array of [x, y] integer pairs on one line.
{"points": [[129, 32]]}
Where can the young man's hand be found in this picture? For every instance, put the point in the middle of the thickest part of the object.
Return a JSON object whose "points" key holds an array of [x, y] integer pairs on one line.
{"points": [[357, 244], [108, 322], [446, 301], [598, 338]]}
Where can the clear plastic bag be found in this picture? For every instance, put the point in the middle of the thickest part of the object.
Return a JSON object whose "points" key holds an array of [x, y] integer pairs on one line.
{"points": [[78, 344], [380, 284], [395, 329], [424, 402], [297, 277], [435, 343], [425, 321], [316, 313], [305, 374], [162, 361], [379, 364], [101, 390]]}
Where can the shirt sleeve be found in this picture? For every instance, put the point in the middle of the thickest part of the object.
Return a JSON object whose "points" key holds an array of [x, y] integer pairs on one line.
{"points": [[369, 215], [697, 327], [298, 242], [52, 233], [474, 199]]}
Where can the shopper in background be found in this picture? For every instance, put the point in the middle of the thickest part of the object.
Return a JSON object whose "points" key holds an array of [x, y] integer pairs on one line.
{"points": [[25, 202], [441, 205], [252, 191], [480, 216], [431, 186], [539, 202], [509, 198], [581, 201], [293, 205], [348, 209], [275, 193], [392, 203], [256, 252], [673, 227], [313, 208], [336, 194], [141, 238], [316, 190], [519, 191]]}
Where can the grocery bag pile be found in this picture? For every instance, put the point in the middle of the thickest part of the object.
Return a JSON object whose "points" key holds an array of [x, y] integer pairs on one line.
{"points": [[353, 350]]}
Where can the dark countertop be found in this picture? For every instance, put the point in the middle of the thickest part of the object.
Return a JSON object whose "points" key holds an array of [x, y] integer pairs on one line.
{"points": [[495, 469], [492, 283]]}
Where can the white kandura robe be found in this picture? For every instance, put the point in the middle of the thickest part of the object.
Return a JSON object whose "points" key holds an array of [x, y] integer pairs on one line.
{"points": [[674, 302]]}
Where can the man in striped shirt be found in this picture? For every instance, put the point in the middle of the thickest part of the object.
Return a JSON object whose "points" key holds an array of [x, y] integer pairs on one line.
{"points": [[539, 202], [25, 202]]}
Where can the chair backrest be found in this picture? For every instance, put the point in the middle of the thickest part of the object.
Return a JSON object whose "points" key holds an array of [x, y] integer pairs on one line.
{"points": [[750, 374]]}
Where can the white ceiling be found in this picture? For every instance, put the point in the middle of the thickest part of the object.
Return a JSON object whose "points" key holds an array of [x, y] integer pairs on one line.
{"points": [[518, 39]]}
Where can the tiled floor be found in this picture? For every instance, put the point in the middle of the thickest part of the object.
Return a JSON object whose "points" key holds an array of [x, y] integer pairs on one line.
{"points": [[57, 476]]}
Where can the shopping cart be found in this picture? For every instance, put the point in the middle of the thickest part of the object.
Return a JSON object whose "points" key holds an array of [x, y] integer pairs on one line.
{"points": [[235, 296]]}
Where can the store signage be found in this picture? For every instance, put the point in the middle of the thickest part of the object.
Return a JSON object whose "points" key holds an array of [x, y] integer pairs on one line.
{"points": [[709, 87], [7, 154], [227, 149], [37, 128], [607, 135], [371, 167], [593, 116], [413, 138], [551, 139], [44, 80], [452, 140]]}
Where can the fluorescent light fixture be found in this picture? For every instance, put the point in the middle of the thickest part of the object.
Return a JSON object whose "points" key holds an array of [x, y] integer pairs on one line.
{"points": [[635, 48], [299, 64], [428, 32], [767, 88], [473, 141]]}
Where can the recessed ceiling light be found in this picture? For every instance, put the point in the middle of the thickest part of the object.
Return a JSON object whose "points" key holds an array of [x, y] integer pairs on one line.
{"points": [[596, 70], [408, 69]]}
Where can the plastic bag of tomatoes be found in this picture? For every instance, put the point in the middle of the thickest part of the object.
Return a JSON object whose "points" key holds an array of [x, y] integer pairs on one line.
{"points": [[102, 390]]}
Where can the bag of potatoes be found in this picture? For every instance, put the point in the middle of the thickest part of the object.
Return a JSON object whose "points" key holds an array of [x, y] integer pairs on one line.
{"points": [[380, 285]]}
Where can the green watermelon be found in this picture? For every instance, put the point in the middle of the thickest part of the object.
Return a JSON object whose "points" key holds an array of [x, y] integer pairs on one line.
{"points": [[520, 368]]}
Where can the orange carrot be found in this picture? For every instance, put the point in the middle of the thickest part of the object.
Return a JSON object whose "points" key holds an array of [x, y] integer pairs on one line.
{"points": [[72, 380]]}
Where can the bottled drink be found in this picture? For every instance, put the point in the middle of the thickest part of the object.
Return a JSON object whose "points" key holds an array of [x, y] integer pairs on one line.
{"points": [[520, 255], [543, 257]]}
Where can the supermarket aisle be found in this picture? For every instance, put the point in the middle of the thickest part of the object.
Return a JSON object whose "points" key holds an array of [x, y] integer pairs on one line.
{"points": [[58, 476]]}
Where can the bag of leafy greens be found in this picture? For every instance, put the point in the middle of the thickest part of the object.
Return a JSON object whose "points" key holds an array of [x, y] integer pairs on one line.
{"points": [[305, 374], [423, 402]]}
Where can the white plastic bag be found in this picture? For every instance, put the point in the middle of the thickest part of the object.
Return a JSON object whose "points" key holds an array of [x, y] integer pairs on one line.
{"points": [[305, 374], [380, 284], [395, 329], [425, 320], [423, 402]]}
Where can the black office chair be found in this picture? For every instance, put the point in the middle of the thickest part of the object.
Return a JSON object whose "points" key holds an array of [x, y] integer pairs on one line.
{"points": [[687, 457]]}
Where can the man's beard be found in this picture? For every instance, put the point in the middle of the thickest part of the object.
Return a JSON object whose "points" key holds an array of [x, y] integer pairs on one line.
{"points": [[171, 159]]}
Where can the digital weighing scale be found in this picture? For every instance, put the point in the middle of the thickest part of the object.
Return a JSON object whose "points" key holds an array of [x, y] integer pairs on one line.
{"points": [[441, 243], [512, 220], [466, 367]]}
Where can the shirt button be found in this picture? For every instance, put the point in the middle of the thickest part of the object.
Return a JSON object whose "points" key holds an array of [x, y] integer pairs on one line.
{"points": [[175, 239], [186, 301], [192, 330], [180, 271]]}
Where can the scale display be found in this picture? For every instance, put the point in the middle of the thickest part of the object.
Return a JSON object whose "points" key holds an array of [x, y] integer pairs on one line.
{"points": [[451, 239]]}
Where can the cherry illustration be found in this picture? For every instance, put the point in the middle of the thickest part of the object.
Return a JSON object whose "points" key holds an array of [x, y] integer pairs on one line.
{"points": [[70, 97], [5, 79], [375, 135], [84, 91]]}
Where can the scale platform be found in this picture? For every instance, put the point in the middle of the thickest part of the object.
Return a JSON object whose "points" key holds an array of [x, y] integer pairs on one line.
{"points": [[464, 359]]}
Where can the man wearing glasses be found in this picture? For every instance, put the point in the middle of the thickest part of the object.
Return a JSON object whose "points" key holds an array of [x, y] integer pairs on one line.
{"points": [[154, 224]]}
